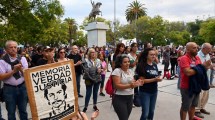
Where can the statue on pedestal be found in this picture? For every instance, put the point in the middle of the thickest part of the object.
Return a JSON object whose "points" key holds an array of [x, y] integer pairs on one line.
{"points": [[95, 10]]}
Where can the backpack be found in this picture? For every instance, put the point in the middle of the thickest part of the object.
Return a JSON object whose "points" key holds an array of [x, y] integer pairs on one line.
{"points": [[109, 88]]}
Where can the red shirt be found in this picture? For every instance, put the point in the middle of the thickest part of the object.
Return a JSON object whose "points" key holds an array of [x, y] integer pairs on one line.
{"points": [[187, 62]]}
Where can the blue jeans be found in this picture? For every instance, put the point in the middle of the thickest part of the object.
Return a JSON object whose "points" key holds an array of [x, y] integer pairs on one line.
{"points": [[95, 87], [16, 96], [0, 112], [102, 81], [211, 76], [148, 101], [78, 80], [179, 78]]}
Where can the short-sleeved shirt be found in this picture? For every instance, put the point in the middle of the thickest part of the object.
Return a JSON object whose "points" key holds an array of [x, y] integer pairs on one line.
{"points": [[203, 59], [104, 65], [5, 67], [76, 58], [187, 62], [125, 79], [42, 61], [151, 71], [132, 60]]}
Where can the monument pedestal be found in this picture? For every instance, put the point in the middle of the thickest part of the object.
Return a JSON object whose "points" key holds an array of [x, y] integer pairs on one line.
{"points": [[96, 34]]}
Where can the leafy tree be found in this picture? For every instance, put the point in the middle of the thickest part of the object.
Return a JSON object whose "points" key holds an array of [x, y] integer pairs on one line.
{"points": [[178, 38], [26, 20], [72, 28], [175, 26], [207, 31], [193, 28], [134, 11], [126, 31], [151, 28], [81, 40]]}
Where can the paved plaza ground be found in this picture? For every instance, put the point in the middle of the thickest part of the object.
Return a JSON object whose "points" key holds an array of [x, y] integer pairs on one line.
{"points": [[167, 107]]}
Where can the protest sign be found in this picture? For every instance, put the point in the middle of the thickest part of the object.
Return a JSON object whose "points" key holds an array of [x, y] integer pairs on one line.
{"points": [[52, 91]]}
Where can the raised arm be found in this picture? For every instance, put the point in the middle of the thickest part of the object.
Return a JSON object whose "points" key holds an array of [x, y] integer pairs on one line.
{"points": [[92, 2]]}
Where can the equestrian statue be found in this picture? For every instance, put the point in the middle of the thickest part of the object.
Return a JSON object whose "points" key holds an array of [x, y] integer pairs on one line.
{"points": [[95, 10]]}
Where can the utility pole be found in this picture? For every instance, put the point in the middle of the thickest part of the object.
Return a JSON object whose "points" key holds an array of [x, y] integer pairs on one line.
{"points": [[114, 23], [136, 25]]}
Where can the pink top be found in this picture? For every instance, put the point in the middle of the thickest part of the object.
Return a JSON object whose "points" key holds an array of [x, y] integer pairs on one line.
{"points": [[104, 66]]}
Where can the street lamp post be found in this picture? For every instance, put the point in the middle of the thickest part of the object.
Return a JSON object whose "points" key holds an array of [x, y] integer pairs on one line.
{"points": [[151, 40], [136, 25], [191, 37], [114, 23]]}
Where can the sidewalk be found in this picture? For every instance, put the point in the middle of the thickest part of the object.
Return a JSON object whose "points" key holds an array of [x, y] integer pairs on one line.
{"points": [[167, 107]]}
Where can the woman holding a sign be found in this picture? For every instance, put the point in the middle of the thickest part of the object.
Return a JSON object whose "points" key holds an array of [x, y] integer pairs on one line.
{"points": [[92, 78]]}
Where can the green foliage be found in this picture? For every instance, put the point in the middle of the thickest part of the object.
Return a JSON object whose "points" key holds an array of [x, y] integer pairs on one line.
{"points": [[81, 39], [157, 31], [207, 31], [193, 28], [38, 21], [26, 21], [134, 11], [72, 28]]}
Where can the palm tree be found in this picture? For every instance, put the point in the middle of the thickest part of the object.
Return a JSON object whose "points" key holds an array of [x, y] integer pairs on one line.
{"points": [[72, 28], [134, 11]]}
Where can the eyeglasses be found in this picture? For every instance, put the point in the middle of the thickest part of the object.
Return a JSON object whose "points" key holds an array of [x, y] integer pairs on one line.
{"points": [[62, 52]]}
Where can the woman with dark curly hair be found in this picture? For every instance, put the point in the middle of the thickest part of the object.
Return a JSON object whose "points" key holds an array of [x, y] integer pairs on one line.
{"points": [[147, 71], [124, 83]]}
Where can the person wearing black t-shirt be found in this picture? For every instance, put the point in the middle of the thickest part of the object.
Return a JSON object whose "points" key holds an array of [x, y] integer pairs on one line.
{"points": [[48, 57], [78, 68], [173, 60], [147, 71], [36, 56]]}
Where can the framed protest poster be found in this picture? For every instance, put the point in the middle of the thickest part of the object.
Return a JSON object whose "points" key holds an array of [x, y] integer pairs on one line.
{"points": [[52, 91]]}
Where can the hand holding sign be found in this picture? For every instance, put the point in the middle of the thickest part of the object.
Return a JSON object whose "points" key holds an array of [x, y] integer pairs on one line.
{"points": [[52, 90]]}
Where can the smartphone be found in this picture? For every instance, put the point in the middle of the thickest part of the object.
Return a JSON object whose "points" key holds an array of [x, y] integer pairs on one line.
{"points": [[159, 73], [136, 77]]}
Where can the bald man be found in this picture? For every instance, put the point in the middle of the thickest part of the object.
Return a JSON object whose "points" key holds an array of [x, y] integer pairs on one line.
{"points": [[204, 95], [78, 68], [190, 59]]}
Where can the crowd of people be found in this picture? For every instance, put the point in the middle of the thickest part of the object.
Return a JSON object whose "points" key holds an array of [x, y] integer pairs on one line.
{"points": [[134, 72]]}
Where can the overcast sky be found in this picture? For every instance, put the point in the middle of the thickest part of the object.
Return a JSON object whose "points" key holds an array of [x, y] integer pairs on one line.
{"points": [[172, 10]]}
